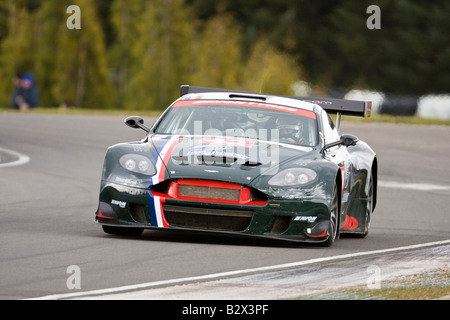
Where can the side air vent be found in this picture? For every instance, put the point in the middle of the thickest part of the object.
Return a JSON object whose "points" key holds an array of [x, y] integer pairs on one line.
{"points": [[138, 212], [280, 224]]}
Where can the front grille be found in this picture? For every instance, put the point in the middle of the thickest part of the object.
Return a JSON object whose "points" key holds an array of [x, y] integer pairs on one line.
{"points": [[209, 219], [209, 192]]}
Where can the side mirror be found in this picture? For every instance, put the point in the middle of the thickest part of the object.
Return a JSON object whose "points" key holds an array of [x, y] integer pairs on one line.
{"points": [[345, 140], [136, 122], [349, 140]]}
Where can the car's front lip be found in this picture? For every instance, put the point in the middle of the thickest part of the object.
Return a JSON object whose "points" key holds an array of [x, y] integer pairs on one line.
{"points": [[288, 219]]}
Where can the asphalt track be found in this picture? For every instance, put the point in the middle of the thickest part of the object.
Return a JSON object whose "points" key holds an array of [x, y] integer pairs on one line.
{"points": [[50, 168]]}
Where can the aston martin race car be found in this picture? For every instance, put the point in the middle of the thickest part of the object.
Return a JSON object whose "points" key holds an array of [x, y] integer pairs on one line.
{"points": [[245, 164]]}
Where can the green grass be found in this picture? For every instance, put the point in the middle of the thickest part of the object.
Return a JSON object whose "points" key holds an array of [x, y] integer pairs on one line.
{"points": [[384, 118], [379, 118], [425, 286], [76, 111]]}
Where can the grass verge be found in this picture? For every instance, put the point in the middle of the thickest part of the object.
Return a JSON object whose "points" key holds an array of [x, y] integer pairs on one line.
{"points": [[156, 113], [76, 111], [384, 118], [429, 285]]}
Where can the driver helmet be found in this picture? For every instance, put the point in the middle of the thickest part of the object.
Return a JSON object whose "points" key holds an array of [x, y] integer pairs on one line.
{"points": [[289, 129]]}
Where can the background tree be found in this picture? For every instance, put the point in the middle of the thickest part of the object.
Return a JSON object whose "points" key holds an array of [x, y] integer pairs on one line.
{"points": [[18, 45], [81, 73], [270, 71], [218, 55], [125, 17], [135, 54], [50, 18], [161, 53]]}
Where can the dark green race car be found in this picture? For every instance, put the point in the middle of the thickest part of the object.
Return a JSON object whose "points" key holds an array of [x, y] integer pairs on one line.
{"points": [[242, 163]]}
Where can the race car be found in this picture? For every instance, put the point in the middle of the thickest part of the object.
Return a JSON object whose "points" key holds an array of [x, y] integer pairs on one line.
{"points": [[245, 164]]}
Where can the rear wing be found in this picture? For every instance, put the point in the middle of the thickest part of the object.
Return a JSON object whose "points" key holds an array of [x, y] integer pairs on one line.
{"points": [[334, 106]]}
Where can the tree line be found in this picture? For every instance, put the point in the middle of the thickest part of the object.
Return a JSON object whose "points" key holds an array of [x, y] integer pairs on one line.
{"points": [[135, 54]]}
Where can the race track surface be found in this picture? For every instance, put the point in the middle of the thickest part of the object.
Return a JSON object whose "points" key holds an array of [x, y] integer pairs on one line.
{"points": [[49, 193]]}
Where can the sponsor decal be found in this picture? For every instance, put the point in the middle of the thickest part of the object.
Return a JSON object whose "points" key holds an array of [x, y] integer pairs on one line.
{"points": [[217, 150], [350, 223], [214, 153], [211, 150], [124, 181], [212, 147], [321, 102], [305, 218], [345, 197], [225, 142], [121, 204], [303, 112]]}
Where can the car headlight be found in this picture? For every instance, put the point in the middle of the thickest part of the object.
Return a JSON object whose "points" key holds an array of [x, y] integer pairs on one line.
{"points": [[293, 177], [137, 163]]}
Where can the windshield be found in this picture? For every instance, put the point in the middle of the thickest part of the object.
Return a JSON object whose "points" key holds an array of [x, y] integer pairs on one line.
{"points": [[252, 120]]}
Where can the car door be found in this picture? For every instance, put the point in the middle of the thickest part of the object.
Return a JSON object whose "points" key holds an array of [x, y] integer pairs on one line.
{"points": [[340, 156]]}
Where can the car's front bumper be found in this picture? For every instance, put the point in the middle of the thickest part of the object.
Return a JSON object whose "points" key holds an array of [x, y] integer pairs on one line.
{"points": [[304, 220]]}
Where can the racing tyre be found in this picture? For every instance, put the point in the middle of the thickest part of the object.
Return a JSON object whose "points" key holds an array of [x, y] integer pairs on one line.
{"points": [[121, 231], [334, 215]]}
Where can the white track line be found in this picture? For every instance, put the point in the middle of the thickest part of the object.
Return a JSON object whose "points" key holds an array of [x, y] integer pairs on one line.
{"points": [[22, 158], [150, 285], [412, 186]]}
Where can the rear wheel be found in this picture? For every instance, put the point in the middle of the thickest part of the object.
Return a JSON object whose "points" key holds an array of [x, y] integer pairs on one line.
{"points": [[369, 209], [123, 231], [334, 215]]}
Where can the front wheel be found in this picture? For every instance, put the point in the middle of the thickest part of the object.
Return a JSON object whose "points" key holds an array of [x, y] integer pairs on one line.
{"points": [[334, 216], [123, 231]]}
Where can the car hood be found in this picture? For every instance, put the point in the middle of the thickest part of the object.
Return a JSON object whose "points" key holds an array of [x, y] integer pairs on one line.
{"points": [[235, 160]]}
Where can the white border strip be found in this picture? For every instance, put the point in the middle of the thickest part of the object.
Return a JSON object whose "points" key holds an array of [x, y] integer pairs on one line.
{"points": [[150, 285], [22, 158], [412, 186]]}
